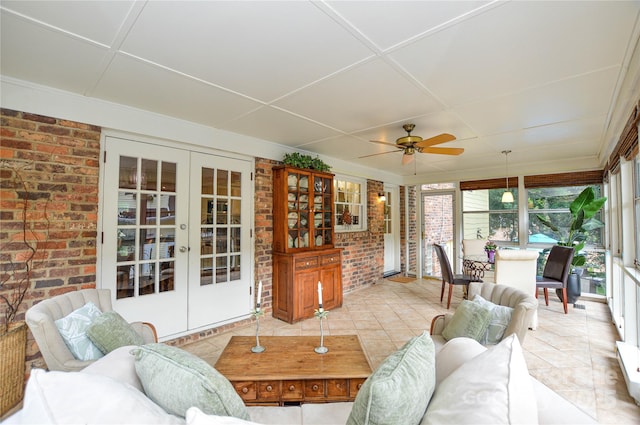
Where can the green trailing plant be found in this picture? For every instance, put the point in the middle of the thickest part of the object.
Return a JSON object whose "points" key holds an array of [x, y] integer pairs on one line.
{"points": [[583, 210], [299, 160]]}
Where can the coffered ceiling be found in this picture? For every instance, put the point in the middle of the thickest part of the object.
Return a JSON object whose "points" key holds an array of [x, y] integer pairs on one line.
{"points": [[551, 81]]}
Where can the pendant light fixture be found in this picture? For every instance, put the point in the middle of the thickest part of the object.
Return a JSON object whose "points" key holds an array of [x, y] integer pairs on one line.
{"points": [[507, 196]]}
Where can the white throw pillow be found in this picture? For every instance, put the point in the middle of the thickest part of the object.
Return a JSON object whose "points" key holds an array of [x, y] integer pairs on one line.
{"points": [[73, 329], [454, 354], [120, 364], [82, 398], [491, 388]]}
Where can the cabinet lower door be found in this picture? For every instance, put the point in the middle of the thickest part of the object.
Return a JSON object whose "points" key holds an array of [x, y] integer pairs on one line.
{"points": [[308, 292]]}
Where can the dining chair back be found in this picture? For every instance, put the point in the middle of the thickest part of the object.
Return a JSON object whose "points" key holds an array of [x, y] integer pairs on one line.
{"points": [[448, 277], [556, 273]]}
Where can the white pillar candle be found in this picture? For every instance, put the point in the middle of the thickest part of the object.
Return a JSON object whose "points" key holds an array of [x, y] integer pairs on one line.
{"points": [[320, 297], [259, 298]]}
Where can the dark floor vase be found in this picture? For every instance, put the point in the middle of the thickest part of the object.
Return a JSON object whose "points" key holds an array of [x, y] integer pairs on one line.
{"points": [[573, 288]]}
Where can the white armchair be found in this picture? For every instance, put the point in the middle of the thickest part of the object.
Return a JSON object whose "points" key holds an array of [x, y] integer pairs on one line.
{"points": [[473, 246], [41, 321], [517, 268]]}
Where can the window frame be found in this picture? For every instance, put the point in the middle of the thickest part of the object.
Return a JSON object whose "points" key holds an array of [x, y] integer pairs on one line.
{"points": [[513, 210], [361, 226]]}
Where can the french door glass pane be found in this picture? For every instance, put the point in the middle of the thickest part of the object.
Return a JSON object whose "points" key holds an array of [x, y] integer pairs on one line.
{"points": [[220, 225], [146, 227]]}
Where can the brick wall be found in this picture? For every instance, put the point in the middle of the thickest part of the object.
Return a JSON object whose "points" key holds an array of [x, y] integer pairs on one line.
{"points": [[58, 160]]}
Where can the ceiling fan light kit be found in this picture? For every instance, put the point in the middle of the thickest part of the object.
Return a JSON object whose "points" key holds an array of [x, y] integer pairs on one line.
{"points": [[411, 144]]}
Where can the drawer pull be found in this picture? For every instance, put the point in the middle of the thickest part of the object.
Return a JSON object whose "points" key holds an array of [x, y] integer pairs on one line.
{"points": [[315, 388], [245, 390], [292, 387], [269, 388], [359, 386]]}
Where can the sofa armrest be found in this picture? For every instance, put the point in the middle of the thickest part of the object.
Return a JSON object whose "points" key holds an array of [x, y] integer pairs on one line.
{"points": [[146, 330], [439, 322]]}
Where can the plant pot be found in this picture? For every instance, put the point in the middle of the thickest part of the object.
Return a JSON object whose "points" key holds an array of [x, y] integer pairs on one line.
{"points": [[491, 255], [573, 288], [13, 346]]}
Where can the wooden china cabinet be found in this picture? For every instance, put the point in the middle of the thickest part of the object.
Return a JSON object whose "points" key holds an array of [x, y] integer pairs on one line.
{"points": [[303, 238]]}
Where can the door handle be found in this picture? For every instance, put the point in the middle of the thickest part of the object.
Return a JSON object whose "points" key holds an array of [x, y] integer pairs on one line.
{"points": [[183, 249]]}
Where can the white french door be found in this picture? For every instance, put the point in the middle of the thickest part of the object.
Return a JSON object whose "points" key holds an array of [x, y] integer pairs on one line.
{"points": [[176, 226], [391, 230]]}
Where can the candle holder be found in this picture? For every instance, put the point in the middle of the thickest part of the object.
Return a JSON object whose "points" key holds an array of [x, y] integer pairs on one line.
{"points": [[321, 314], [258, 348]]}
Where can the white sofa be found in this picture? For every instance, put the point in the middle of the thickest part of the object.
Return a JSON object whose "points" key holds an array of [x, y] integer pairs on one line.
{"points": [[483, 383]]}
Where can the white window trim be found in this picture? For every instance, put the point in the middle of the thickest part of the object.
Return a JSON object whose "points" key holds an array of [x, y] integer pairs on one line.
{"points": [[364, 197]]}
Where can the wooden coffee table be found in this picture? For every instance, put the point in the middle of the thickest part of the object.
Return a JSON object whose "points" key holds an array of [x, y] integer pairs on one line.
{"points": [[290, 372]]}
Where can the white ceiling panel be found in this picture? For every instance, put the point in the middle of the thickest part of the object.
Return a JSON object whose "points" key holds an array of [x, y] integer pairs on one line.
{"points": [[551, 81], [249, 47], [132, 82], [369, 102], [99, 21]]}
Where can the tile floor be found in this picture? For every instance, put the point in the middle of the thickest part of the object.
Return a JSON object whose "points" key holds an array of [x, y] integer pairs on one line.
{"points": [[573, 354]]}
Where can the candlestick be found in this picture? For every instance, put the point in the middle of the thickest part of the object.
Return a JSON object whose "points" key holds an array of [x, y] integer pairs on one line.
{"points": [[258, 348], [321, 314], [259, 297], [320, 297]]}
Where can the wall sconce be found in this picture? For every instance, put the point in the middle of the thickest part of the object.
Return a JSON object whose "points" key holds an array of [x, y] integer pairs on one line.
{"points": [[382, 197]]}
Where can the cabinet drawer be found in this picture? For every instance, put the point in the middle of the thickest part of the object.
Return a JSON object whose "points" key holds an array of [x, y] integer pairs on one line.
{"points": [[246, 390], [330, 259], [314, 389], [306, 263], [292, 390], [354, 386], [268, 390], [337, 388]]}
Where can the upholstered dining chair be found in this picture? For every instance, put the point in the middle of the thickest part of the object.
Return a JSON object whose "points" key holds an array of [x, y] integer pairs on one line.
{"points": [[473, 246], [448, 277], [41, 321], [556, 273]]}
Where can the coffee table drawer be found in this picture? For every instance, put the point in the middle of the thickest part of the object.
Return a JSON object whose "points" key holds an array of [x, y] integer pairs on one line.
{"points": [[337, 389], [246, 390], [314, 389], [354, 386], [268, 390], [292, 390]]}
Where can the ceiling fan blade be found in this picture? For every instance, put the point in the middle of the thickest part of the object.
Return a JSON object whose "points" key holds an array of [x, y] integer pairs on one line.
{"points": [[436, 140], [443, 151], [384, 143], [376, 154]]}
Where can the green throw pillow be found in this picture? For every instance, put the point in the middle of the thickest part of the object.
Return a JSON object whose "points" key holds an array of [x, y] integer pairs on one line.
{"points": [[73, 329], [500, 319], [177, 380], [399, 391], [470, 320], [110, 331]]}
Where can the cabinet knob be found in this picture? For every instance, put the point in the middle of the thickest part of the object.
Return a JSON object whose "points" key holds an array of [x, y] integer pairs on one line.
{"points": [[269, 388], [359, 386], [245, 390], [292, 387], [315, 388]]}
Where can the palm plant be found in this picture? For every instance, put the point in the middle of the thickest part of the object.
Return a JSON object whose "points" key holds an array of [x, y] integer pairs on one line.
{"points": [[583, 210]]}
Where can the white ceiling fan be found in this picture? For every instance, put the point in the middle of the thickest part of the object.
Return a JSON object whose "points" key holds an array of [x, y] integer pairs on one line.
{"points": [[411, 144]]}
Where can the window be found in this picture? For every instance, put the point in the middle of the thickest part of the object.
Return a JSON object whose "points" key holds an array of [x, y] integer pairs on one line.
{"points": [[636, 207], [485, 216], [552, 203], [351, 204]]}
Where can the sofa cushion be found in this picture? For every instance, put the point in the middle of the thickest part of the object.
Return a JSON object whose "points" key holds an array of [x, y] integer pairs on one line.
{"points": [[454, 354], [400, 388], [495, 386], [177, 380], [469, 320], [110, 331], [73, 329], [82, 398], [119, 365], [500, 319]]}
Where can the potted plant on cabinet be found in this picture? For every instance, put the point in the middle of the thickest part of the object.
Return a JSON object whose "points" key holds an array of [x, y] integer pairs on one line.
{"points": [[22, 251], [583, 210]]}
